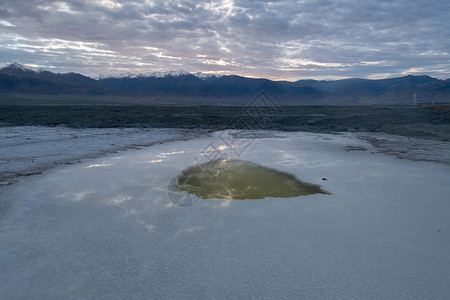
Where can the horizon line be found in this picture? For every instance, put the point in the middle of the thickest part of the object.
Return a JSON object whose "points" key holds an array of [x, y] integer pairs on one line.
{"points": [[37, 68]]}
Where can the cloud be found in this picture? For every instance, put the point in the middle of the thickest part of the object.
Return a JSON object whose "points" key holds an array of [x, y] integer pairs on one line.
{"points": [[279, 39]]}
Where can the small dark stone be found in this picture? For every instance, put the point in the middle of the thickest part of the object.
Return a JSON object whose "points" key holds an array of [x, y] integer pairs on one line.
{"points": [[324, 178], [357, 148]]}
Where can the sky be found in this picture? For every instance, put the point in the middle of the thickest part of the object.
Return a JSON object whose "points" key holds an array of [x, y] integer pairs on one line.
{"points": [[279, 40]]}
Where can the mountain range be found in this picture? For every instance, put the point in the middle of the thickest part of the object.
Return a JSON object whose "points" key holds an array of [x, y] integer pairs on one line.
{"points": [[181, 87]]}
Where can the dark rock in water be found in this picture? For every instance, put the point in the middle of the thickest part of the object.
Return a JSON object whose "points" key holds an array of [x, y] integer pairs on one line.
{"points": [[238, 179], [324, 178], [355, 148]]}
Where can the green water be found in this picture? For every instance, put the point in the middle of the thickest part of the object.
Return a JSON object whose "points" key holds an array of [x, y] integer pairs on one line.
{"points": [[238, 179]]}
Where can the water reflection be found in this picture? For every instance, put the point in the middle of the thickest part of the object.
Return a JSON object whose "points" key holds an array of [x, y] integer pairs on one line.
{"points": [[238, 179]]}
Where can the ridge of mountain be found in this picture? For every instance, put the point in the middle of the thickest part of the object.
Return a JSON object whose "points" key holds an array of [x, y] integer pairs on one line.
{"points": [[203, 88], [176, 73]]}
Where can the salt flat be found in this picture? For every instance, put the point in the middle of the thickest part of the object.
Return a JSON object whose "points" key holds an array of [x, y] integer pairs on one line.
{"points": [[106, 228], [28, 150]]}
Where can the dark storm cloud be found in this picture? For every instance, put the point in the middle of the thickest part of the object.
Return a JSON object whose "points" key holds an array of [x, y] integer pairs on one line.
{"points": [[279, 39]]}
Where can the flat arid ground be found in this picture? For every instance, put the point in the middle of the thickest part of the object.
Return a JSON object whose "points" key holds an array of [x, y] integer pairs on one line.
{"points": [[428, 122], [85, 209]]}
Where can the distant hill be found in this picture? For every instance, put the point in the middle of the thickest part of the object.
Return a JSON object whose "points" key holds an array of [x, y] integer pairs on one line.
{"points": [[17, 78], [199, 88], [391, 90], [232, 88]]}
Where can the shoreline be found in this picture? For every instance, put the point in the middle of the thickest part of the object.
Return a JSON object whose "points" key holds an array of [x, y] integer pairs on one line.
{"points": [[32, 150], [409, 148]]}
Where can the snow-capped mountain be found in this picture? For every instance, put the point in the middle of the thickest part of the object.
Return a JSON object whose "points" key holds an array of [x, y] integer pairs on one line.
{"points": [[116, 75], [14, 65], [19, 67], [176, 73], [206, 75]]}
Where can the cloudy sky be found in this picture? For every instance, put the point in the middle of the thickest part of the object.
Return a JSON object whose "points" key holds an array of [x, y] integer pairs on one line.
{"points": [[287, 39]]}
